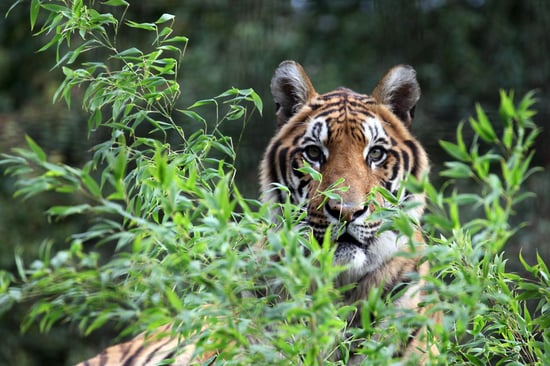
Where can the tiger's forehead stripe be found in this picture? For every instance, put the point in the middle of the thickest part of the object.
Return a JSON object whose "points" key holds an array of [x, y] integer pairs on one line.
{"points": [[344, 112], [340, 99]]}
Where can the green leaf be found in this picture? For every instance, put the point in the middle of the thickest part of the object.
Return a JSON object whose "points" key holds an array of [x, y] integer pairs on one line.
{"points": [[95, 120], [236, 112], [525, 112], [98, 322], [90, 184], [308, 169], [132, 51], [174, 300], [177, 39], [403, 224], [507, 109], [13, 6], [119, 164], [456, 169], [388, 196], [64, 211], [35, 9], [116, 3], [467, 199], [523, 196], [508, 136], [165, 18], [228, 93], [145, 26], [56, 39], [482, 126], [543, 269], [439, 222], [257, 101], [20, 267], [37, 150], [202, 102], [455, 150]]}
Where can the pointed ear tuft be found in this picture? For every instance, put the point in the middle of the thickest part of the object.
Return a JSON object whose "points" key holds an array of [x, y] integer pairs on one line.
{"points": [[291, 89], [399, 91]]}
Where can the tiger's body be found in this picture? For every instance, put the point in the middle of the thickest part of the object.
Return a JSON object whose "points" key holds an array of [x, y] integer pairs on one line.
{"points": [[362, 141]]}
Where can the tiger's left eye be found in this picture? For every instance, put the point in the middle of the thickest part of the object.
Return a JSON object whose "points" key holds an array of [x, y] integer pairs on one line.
{"points": [[376, 155], [313, 153]]}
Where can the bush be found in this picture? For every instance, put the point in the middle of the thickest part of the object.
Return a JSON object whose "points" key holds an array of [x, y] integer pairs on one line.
{"points": [[491, 316], [171, 238]]}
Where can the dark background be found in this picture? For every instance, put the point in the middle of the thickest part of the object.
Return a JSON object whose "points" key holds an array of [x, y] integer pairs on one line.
{"points": [[463, 51]]}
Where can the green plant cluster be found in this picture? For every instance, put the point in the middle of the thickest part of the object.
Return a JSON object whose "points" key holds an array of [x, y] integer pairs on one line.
{"points": [[171, 240], [497, 317]]}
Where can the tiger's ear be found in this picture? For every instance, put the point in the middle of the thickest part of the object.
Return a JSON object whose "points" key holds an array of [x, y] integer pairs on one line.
{"points": [[291, 89], [399, 90]]}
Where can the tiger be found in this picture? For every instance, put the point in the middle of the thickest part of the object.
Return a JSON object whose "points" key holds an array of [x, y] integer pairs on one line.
{"points": [[362, 141]]}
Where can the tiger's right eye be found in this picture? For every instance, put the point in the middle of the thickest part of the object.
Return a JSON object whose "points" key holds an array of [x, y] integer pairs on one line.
{"points": [[313, 153]]}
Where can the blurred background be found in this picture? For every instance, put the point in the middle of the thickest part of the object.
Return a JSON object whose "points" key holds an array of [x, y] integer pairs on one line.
{"points": [[464, 51]]}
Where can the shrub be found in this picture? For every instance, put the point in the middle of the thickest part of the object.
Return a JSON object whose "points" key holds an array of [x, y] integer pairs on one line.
{"points": [[488, 319]]}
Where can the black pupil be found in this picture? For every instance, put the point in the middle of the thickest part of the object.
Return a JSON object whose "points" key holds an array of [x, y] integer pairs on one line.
{"points": [[313, 152], [376, 153]]}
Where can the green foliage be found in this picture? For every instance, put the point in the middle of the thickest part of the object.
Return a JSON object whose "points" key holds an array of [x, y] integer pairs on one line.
{"points": [[171, 239], [162, 201], [488, 317], [143, 195]]}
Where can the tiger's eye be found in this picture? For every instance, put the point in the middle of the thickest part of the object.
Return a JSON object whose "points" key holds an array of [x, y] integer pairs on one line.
{"points": [[313, 153], [376, 155]]}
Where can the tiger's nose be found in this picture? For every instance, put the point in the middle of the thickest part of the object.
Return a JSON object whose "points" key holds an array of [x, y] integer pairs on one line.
{"points": [[344, 211]]}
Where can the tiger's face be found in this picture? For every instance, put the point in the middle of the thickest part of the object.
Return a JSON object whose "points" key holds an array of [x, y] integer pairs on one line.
{"points": [[356, 142]]}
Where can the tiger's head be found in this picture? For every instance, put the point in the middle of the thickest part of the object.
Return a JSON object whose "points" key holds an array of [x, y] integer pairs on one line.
{"points": [[360, 140]]}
